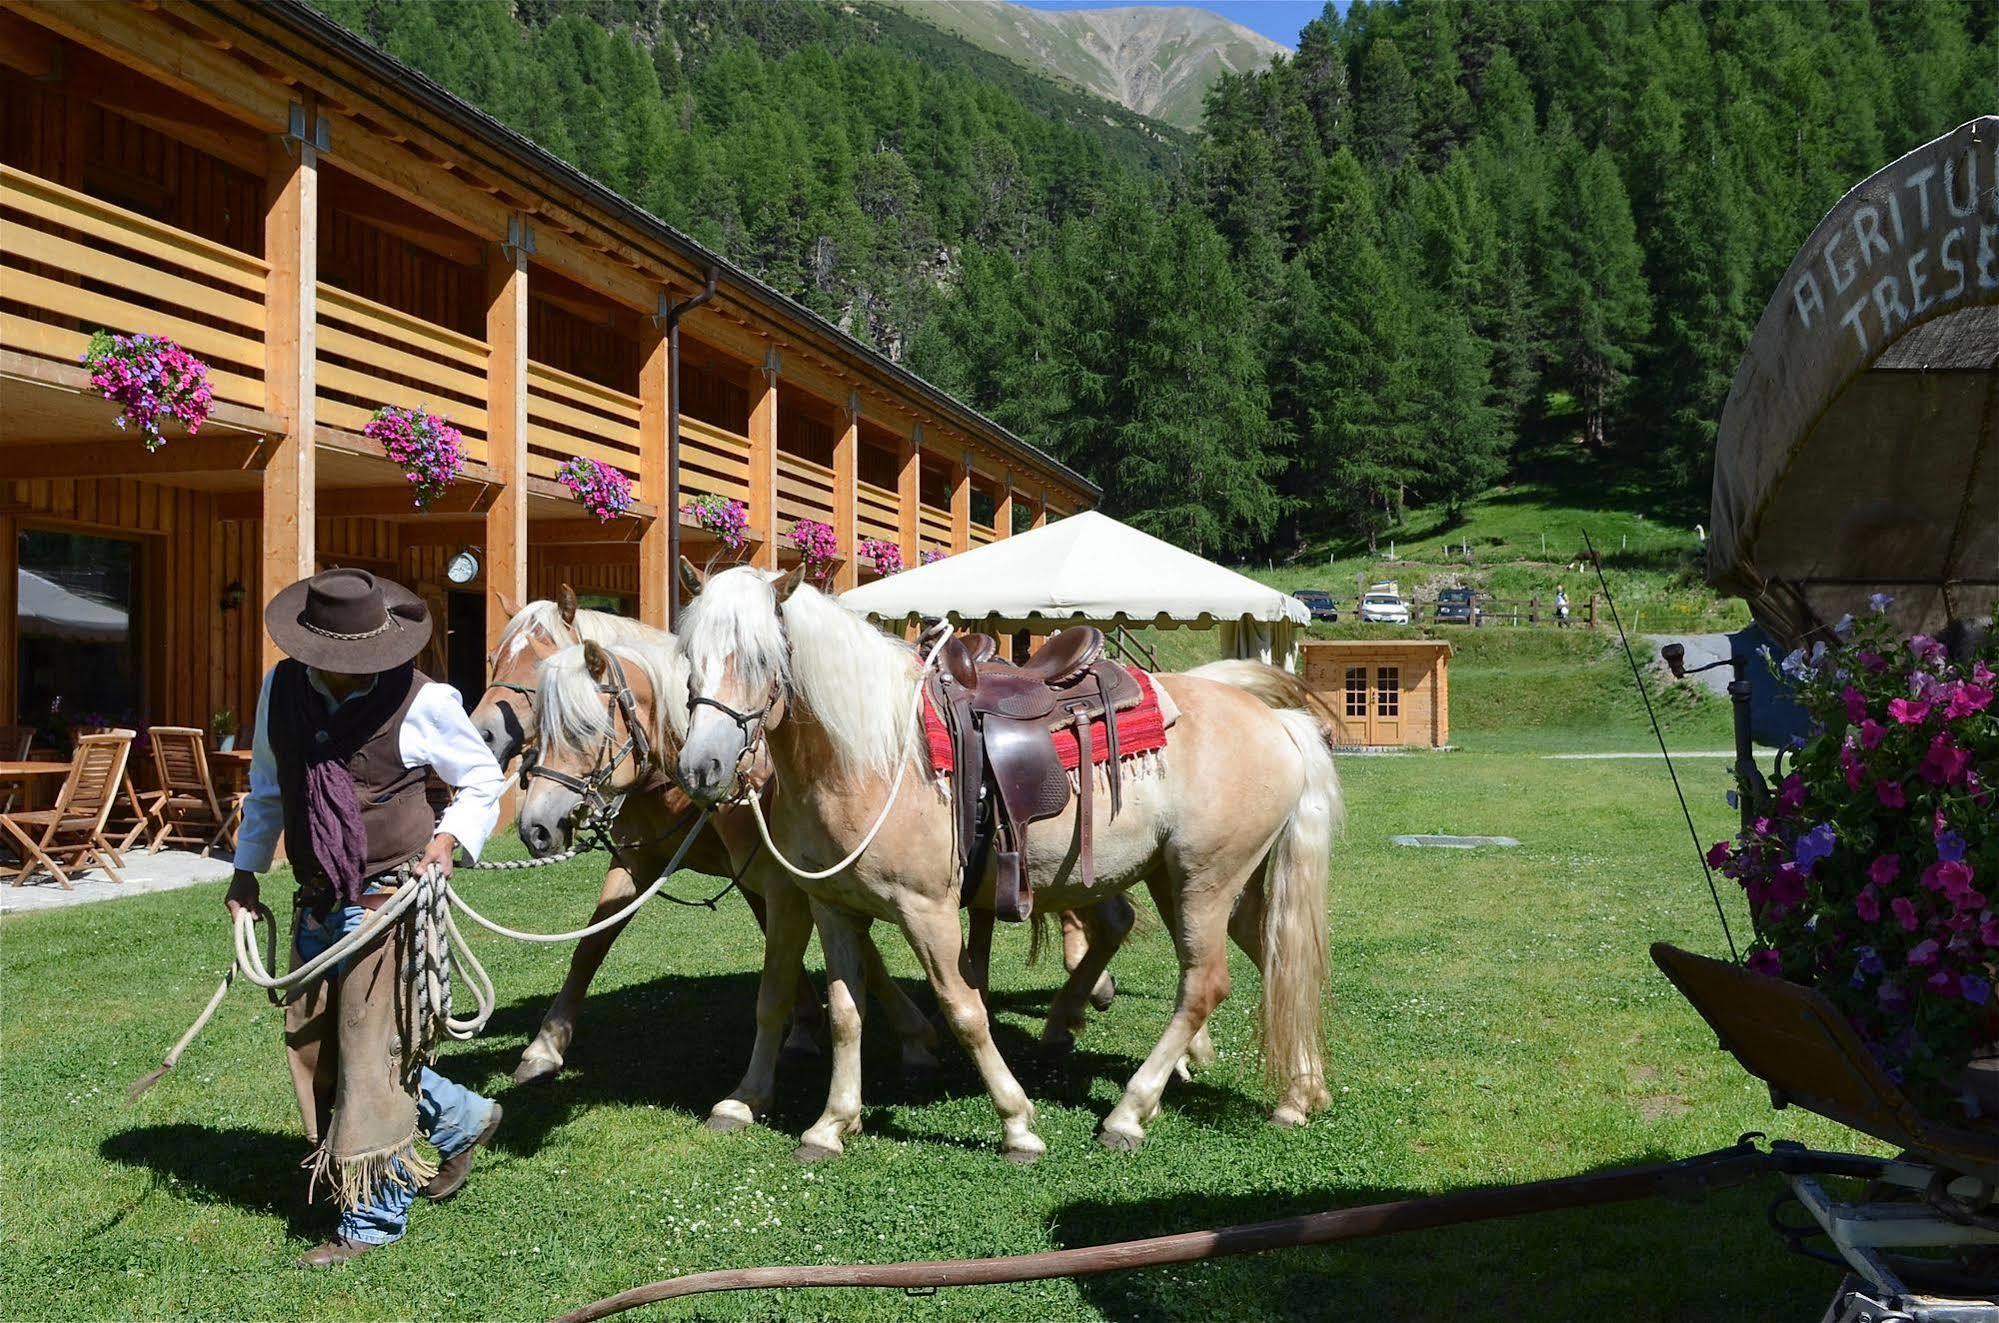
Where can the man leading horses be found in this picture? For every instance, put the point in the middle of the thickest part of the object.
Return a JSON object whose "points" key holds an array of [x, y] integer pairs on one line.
{"points": [[348, 732]]}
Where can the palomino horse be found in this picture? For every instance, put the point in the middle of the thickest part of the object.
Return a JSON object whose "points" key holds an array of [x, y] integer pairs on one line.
{"points": [[648, 828], [1245, 793]]}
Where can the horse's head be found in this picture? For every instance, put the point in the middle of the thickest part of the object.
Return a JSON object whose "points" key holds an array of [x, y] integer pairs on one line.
{"points": [[600, 717], [505, 716], [738, 661]]}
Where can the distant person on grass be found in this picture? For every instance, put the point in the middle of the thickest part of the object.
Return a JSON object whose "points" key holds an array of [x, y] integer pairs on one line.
{"points": [[347, 732], [1561, 606]]}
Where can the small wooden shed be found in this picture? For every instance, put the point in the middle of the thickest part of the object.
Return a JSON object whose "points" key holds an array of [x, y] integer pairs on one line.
{"points": [[1383, 693]]}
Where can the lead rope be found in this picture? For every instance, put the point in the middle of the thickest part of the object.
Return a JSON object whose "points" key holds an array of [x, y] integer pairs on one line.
{"points": [[436, 944], [894, 789]]}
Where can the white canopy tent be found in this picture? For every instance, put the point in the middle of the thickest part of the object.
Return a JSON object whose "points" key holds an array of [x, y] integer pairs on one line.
{"points": [[1091, 568]]}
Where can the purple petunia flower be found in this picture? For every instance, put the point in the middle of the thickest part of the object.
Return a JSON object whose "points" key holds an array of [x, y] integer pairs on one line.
{"points": [[1815, 846], [1766, 962], [1950, 846], [1890, 794], [1975, 988]]}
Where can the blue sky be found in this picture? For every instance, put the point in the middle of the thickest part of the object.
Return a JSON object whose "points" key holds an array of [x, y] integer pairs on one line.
{"points": [[1277, 19]]}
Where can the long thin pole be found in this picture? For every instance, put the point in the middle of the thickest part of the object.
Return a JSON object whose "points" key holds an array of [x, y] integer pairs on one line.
{"points": [[671, 512], [1723, 1167]]}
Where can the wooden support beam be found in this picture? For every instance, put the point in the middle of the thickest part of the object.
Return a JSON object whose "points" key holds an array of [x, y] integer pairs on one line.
{"points": [[1003, 507], [846, 463], [130, 36], [10, 648], [506, 431], [1041, 509], [909, 496], [393, 502], [26, 460], [961, 505], [291, 247], [655, 566], [763, 462]]}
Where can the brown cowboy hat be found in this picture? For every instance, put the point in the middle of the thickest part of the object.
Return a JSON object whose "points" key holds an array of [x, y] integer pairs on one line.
{"points": [[348, 622]]}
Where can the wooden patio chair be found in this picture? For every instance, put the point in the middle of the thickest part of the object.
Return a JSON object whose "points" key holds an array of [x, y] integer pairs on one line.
{"points": [[74, 828], [185, 810], [15, 744]]}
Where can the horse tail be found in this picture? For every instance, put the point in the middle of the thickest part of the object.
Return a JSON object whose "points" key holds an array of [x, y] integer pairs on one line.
{"points": [[1295, 965], [1271, 686]]}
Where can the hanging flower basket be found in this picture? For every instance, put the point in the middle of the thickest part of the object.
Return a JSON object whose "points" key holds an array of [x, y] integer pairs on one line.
{"points": [[429, 450], [885, 557], [728, 520], [931, 555], [1869, 873], [604, 491], [152, 379], [817, 547]]}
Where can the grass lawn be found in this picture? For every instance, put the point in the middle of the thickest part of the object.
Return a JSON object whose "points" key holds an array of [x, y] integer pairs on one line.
{"points": [[1495, 1020]]}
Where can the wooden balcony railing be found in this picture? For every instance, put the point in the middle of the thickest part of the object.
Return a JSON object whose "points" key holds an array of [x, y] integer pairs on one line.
{"points": [[370, 355], [71, 265], [875, 513], [804, 491], [714, 462], [981, 534], [569, 416], [933, 527]]}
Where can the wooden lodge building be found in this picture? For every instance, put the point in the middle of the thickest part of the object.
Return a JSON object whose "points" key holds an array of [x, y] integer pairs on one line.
{"points": [[330, 232]]}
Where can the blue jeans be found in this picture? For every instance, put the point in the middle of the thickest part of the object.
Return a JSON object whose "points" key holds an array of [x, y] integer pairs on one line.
{"points": [[449, 1115]]}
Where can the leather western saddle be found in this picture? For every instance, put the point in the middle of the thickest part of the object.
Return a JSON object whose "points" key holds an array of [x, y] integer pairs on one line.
{"points": [[1005, 772]]}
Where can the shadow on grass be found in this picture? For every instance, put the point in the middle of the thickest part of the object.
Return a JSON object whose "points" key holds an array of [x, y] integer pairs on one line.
{"points": [[1644, 1259], [255, 1170]]}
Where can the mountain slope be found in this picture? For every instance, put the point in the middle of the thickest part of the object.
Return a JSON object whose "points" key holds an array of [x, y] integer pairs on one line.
{"points": [[1159, 62]]}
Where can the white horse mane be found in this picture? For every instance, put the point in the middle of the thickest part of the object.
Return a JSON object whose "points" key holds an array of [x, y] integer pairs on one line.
{"points": [[572, 714], [854, 680], [591, 626]]}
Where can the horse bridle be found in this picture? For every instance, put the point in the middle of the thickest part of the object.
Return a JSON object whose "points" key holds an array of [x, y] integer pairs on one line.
{"points": [[754, 725], [598, 807]]}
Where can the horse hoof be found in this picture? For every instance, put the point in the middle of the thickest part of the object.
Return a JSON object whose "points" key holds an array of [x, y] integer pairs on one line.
{"points": [[809, 1153], [1117, 1141], [722, 1123], [1287, 1117], [1104, 993], [1022, 1157], [536, 1070]]}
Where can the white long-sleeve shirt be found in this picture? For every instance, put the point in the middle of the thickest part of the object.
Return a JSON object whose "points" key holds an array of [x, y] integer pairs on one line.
{"points": [[435, 734]]}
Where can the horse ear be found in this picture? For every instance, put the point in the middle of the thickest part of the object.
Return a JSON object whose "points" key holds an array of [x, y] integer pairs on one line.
{"points": [[790, 583], [565, 602], [692, 580], [507, 604], [595, 659]]}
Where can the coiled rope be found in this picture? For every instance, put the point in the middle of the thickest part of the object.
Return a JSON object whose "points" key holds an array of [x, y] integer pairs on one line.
{"points": [[435, 944]]}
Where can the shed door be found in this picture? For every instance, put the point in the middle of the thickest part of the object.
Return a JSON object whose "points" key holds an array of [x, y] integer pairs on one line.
{"points": [[1354, 707], [1385, 725]]}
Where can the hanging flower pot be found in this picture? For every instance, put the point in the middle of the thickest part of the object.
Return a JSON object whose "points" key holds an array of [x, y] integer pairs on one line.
{"points": [[603, 491], [885, 557], [728, 520], [817, 547], [153, 379], [429, 450], [930, 555]]}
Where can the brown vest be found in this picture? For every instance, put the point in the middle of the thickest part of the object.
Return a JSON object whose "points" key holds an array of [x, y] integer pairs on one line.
{"points": [[395, 812]]}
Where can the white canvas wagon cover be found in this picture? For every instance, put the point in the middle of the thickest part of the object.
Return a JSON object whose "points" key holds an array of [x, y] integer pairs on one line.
{"points": [[1856, 453]]}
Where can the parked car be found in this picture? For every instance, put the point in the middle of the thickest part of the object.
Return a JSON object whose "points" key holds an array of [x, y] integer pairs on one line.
{"points": [[1456, 606], [1383, 604], [1319, 602]]}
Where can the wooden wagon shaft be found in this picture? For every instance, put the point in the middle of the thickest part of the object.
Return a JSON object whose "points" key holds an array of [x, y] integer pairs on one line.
{"points": [[1685, 1178]]}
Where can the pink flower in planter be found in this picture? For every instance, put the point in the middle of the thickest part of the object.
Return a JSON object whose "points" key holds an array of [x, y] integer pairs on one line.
{"points": [[1872, 733], [1885, 869], [1867, 905], [1965, 700], [1943, 983], [1766, 962], [603, 491], [1909, 711], [885, 557], [1791, 794], [1849, 762], [1856, 703], [425, 447], [1944, 763], [1718, 854], [1926, 648], [1988, 930], [1924, 953], [152, 379], [1905, 912], [1950, 876], [1890, 794], [817, 547]]}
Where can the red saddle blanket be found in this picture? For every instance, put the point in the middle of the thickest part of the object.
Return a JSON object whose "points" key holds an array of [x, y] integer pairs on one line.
{"points": [[1140, 729]]}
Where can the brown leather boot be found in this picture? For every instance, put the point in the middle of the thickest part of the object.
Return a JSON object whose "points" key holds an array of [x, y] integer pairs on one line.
{"points": [[451, 1172], [335, 1252]]}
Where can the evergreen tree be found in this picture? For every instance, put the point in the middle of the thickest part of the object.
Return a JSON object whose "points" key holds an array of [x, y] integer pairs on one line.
{"points": [[1385, 118], [1599, 309]]}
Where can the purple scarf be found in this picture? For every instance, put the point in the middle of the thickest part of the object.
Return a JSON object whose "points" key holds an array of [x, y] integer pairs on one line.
{"points": [[336, 844]]}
